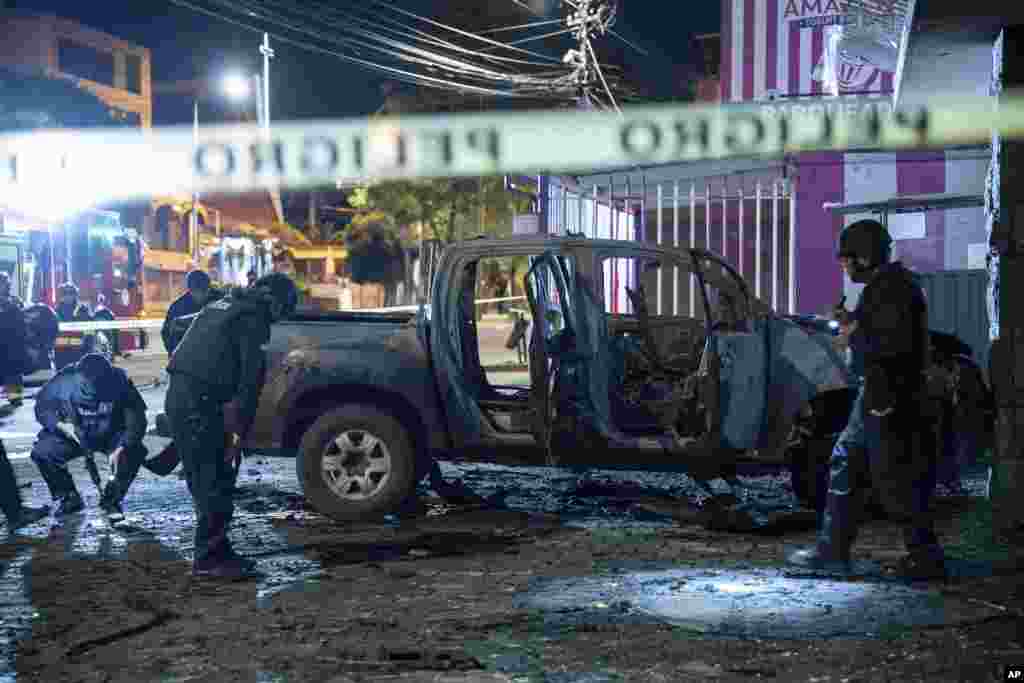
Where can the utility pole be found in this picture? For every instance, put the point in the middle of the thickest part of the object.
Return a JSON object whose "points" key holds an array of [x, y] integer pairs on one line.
{"points": [[193, 219], [589, 19], [264, 106]]}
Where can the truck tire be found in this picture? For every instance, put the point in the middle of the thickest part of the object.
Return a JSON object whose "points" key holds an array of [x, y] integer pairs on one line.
{"points": [[355, 463]]}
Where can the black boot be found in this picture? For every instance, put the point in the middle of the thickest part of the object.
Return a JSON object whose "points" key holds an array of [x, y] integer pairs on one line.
{"points": [[62, 489], [18, 515], [69, 504], [117, 487], [832, 551], [110, 501]]}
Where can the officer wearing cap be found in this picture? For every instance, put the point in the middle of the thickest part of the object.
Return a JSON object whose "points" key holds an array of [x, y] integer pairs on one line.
{"points": [[192, 301], [221, 360], [88, 407], [881, 445], [69, 347]]}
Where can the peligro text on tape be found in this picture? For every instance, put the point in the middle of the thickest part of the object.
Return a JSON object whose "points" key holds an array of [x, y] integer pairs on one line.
{"points": [[94, 166]]}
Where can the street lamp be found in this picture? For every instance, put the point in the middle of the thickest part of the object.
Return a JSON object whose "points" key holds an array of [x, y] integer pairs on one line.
{"points": [[235, 87]]}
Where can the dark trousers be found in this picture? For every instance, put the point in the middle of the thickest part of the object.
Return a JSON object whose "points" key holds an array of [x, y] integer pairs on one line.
{"points": [[197, 425], [10, 496], [889, 455], [53, 451]]}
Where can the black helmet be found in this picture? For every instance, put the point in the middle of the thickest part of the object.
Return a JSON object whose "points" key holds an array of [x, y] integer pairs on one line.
{"points": [[866, 239], [282, 289], [68, 288], [95, 367], [197, 279]]}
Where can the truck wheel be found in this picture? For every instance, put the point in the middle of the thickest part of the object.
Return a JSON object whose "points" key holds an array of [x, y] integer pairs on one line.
{"points": [[356, 462]]}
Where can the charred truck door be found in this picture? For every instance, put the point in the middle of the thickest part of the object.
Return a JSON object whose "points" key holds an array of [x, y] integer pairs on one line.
{"points": [[554, 346], [738, 343]]}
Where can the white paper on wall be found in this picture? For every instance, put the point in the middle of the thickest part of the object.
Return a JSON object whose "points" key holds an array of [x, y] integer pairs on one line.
{"points": [[977, 255], [907, 226]]}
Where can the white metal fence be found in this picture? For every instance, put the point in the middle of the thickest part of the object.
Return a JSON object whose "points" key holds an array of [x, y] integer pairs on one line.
{"points": [[753, 230]]}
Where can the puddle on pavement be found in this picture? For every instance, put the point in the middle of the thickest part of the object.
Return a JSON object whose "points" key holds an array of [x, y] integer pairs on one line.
{"points": [[16, 622], [743, 603]]}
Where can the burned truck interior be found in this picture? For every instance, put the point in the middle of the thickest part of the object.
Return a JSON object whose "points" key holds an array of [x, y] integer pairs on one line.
{"points": [[611, 384]]}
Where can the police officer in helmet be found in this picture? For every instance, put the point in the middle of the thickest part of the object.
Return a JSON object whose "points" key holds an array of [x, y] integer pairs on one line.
{"points": [[221, 360], [882, 443], [192, 301], [70, 347]]}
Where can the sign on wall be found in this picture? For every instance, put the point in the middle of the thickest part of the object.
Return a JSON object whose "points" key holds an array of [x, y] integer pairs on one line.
{"points": [[794, 47]]}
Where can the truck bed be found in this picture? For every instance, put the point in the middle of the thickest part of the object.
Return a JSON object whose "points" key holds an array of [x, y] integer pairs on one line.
{"points": [[319, 316]]}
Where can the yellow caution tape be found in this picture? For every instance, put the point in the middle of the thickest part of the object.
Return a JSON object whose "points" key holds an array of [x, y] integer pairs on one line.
{"points": [[64, 169]]}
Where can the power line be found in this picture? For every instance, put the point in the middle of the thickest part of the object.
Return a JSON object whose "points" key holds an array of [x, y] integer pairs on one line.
{"points": [[460, 31], [400, 51], [521, 26], [398, 74], [412, 54], [403, 29]]}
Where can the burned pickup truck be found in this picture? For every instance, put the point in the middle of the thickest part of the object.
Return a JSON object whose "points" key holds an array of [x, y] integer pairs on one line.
{"points": [[368, 401]]}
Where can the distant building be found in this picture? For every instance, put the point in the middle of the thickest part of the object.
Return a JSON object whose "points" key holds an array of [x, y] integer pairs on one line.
{"points": [[114, 70]]}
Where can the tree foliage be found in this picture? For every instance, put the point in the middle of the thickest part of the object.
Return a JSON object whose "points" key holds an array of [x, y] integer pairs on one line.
{"points": [[447, 209]]}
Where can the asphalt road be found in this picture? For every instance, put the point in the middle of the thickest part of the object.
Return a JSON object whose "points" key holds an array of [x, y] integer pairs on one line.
{"points": [[299, 552]]}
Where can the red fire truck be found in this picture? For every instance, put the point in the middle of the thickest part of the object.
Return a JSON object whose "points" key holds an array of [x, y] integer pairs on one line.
{"points": [[92, 250]]}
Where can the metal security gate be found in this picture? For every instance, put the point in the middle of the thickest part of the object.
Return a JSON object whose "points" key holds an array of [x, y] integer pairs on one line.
{"points": [[752, 230], [957, 305]]}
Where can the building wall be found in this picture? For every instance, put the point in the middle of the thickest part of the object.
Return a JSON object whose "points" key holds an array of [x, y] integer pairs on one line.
{"points": [[952, 240], [31, 42]]}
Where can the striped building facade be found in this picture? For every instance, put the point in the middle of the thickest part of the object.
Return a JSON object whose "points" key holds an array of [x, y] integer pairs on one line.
{"points": [[781, 52]]}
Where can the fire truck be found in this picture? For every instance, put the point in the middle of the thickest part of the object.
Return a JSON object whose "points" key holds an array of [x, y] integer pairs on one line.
{"points": [[91, 250]]}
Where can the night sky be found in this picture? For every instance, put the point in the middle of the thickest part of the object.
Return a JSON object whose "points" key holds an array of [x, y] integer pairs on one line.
{"points": [[187, 45]]}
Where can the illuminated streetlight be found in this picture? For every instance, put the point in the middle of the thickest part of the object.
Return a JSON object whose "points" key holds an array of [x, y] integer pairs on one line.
{"points": [[236, 86]]}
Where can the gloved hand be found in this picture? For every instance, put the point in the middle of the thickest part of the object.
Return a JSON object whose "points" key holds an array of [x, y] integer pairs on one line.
{"points": [[232, 447], [114, 460], [68, 430], [840, 314]]}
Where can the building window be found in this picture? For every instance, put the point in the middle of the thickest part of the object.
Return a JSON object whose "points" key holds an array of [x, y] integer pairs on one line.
{"points": [[85, 62], [133, 73]]}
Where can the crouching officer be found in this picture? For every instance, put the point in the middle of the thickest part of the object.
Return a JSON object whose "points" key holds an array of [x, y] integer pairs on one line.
{"points": [[90, 406], [220, 360], [882, 442]]}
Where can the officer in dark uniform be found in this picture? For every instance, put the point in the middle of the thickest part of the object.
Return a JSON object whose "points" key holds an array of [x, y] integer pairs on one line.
{"points": [[221, 360], [882, 442], [18, 514], [13, 353], [102, 313], [90, 406], [71, 346], [192, 301]]}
